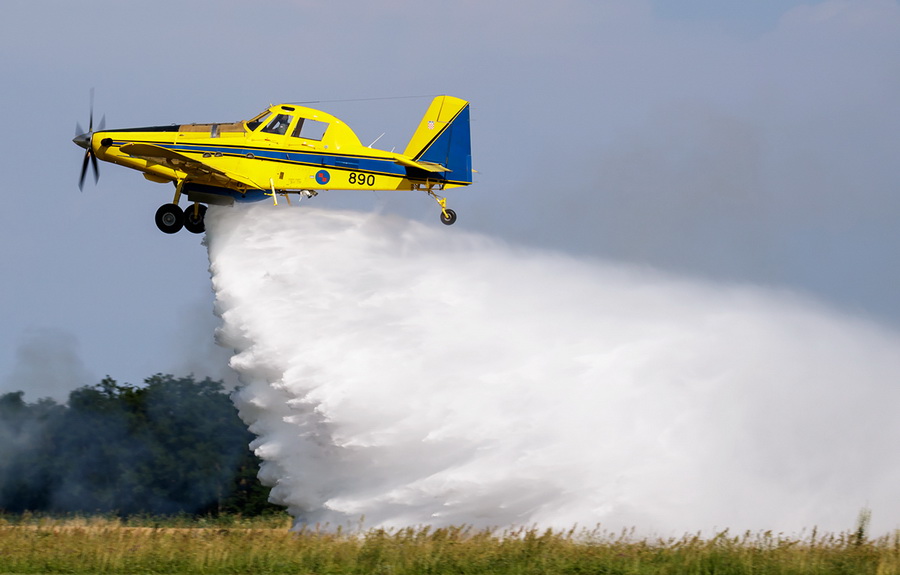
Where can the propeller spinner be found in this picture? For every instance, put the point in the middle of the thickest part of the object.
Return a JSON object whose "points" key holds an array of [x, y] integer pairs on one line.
{"points": [[83, 139]]}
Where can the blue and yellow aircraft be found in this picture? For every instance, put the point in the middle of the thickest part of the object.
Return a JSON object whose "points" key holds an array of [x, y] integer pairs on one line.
{"points": [[286, 149]]}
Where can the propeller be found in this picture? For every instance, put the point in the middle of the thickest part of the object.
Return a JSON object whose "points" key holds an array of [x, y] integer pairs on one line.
{"points": [[84, 140]]}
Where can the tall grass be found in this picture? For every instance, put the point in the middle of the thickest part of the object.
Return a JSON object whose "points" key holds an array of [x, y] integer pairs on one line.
{"points": [[237, 545]]}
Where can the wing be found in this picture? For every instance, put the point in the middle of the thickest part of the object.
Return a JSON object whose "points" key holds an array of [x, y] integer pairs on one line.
{"points": [[190, 166]]}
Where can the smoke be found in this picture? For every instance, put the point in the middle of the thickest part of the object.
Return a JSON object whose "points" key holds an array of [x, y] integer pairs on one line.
{"points": [[196, 352], [47, 364], [412, 374]]}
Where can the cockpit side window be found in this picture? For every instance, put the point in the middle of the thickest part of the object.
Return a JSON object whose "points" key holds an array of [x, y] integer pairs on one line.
{"points": [[278, 125], [252, 124], [310, 129]]}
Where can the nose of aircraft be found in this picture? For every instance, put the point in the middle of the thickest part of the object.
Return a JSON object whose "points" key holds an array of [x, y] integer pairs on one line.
{"points": [[84, 140]]}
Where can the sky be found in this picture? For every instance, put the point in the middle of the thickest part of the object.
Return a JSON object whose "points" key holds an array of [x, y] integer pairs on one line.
{"points": [[738, 143]]}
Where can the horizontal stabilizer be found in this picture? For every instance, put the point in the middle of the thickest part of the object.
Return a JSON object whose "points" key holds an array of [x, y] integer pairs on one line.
{"points": [[427, 166]]}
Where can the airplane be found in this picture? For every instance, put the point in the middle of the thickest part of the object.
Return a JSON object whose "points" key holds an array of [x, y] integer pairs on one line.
{"points": [[286, 149]]}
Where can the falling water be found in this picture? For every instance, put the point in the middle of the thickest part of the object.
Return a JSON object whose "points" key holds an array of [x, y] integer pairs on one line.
{"points": [[413, 374]]}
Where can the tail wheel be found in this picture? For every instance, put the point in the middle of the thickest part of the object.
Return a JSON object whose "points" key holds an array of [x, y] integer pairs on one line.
{"points": [[192, 223], [448, 216], [169, 218]]}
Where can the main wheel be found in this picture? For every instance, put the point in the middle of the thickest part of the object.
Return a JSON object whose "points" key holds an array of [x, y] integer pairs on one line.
{"points": [[195, 225], [169, 218], [449, 217]]}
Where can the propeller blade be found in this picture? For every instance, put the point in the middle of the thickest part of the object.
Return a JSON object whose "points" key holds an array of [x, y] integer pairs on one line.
{"points": [[91, 121], [94, 165], [84, 139], [84, 166]]}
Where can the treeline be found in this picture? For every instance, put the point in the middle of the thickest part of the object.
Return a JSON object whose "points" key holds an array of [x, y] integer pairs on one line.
{"points": [[171, 446]]}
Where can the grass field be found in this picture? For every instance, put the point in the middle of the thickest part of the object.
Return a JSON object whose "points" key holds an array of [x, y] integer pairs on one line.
{"points": [[234, 545]]}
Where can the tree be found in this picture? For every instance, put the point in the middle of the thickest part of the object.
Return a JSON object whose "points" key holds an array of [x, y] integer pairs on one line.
{"points": [[170, 446]]}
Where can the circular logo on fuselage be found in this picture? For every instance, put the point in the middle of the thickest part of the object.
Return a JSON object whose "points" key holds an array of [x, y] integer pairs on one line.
{"points": [[323, 177]]}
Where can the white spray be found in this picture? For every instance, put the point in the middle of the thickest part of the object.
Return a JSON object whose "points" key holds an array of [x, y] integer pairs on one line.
{"points": [[410, 374]]}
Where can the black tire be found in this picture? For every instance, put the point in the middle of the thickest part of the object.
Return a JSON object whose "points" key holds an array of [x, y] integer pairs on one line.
{"points": [[449, 217], [192, 224], [169, 218]]}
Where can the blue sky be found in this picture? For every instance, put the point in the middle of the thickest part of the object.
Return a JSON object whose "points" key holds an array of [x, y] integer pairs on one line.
{"points": [[740, 143], [750, 18]]}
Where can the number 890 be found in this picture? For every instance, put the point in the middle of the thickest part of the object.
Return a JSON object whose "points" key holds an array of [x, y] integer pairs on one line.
{"points": [[362, 179]]}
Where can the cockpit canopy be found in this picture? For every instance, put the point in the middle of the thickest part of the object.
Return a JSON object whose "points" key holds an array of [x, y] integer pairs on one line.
{"points": [[300, 122]]}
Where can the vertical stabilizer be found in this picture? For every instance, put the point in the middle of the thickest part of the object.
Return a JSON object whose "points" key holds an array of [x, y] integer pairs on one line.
{"points": [[443, 137]]}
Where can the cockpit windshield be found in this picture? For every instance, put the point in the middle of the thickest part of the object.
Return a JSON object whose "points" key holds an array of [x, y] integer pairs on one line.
{"points": [[259, 119], [278, 125]]}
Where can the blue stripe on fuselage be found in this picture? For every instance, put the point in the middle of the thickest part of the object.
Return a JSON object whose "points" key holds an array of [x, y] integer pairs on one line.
{"points": [[346, 162], [369, 165]]}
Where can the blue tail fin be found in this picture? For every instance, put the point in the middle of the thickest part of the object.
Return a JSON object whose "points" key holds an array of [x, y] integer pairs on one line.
{"points": [[443, 137]]}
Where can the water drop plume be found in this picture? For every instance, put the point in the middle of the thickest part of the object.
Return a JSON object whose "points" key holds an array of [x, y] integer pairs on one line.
{"points": [[413, 374]]}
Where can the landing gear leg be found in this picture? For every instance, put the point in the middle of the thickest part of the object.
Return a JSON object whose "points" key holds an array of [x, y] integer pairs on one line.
{"points": [[448, 216]]}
